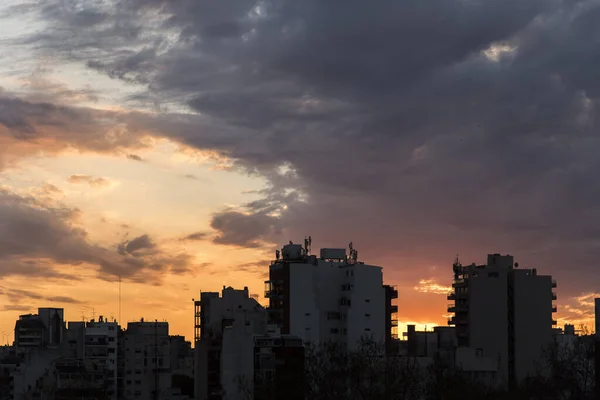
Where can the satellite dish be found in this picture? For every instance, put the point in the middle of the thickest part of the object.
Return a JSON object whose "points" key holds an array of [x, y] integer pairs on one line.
{"points": [[516, 265]]}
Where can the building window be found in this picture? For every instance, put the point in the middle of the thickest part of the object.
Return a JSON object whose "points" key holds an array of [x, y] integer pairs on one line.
{"points": [[367, 300], [368, 329], [493, 274], [307, 314], [479, 352], [334, 330], [333, 315]]}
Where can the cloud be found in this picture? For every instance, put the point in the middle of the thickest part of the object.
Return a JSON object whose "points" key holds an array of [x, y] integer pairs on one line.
{"points": [[431, 286], [421, 128], [135, 157], [39, 240], [18, 296], [16, 307], [90, 180], [136, 245], [30, 128], [197, 236], [243, 229]]}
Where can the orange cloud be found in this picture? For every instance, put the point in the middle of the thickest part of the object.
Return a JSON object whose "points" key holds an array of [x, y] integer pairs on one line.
{"points": [[430, 286]]}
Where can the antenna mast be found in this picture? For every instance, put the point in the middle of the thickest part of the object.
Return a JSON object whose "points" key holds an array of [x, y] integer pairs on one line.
{"points": [[119, 299]]}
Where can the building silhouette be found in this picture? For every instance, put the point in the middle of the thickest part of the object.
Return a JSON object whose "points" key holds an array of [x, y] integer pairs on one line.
{"points": [[505, 313]]}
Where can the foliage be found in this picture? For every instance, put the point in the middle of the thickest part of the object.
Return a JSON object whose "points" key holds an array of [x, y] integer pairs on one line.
{"points": [[366, 373]]}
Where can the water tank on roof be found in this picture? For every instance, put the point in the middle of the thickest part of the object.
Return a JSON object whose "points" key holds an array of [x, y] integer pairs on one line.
{"points": [[292, 252]]}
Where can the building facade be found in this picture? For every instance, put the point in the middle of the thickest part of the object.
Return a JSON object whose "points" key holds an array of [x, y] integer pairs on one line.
{"points": [[278, 367], [147, 361], [226, 323], [503, 312], [333, 297], [44, 329]]}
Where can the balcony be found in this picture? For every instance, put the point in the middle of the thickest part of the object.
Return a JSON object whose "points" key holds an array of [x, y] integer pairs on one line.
{"points": [[554, 309], [459, 283], [554, 283], [457, 321], [394, 322], [393, 293], [553, 296], [451, 296], [269, 294], [394, 309], [554, 322], [451, 308]]}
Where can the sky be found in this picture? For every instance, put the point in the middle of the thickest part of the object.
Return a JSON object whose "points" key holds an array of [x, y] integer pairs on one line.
{"points": [[177, 144]]}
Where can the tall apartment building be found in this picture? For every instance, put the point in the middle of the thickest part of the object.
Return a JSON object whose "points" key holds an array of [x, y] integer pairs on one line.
{"points": [[333, 297], [503, 312], [147, 361], [225, 325], [44, 329], [96, 343], [101, 349]]}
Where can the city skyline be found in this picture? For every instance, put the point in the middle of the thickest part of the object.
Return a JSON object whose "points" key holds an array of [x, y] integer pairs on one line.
{"points": [[177, 147]]}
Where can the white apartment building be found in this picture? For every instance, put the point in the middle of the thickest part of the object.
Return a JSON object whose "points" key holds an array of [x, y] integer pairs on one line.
{"points": [[147, 361], [505, 313], [224, 329], [333, 297]]}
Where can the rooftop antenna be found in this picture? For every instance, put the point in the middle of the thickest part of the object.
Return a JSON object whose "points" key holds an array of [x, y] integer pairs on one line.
{"points": [[119, 298], [456, 261], [307, 245], [277, 254], [93, 313]]}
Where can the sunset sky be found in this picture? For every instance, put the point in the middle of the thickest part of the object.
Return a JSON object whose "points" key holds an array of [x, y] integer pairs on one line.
{"points": [[179, 143]]}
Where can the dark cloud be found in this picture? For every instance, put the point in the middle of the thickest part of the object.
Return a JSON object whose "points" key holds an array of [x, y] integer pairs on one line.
{"points": [[39, 240], [135, 157], [245, 230], [197, 236], [19, 296], [419, 128], [16, 307], [28, 128], [90, 180], [260, 267], [137, 245]]}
